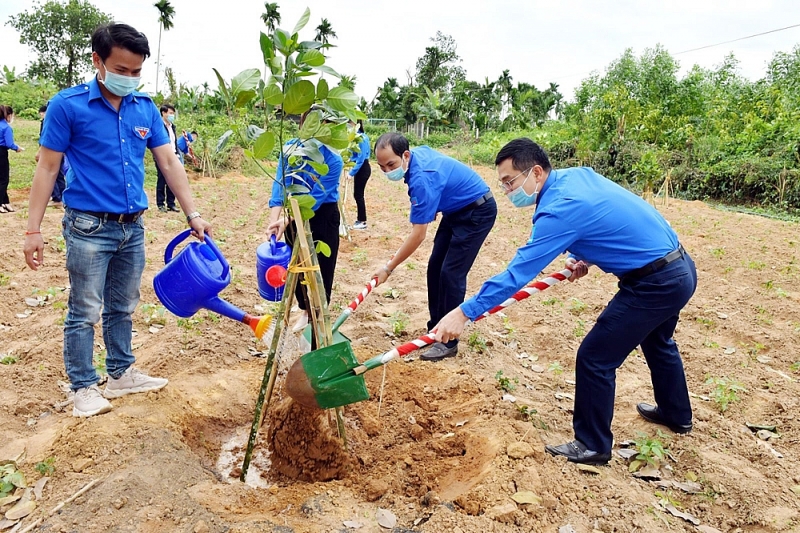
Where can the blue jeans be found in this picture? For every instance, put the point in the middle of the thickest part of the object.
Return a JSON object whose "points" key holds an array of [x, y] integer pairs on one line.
{"points": [[643, 313], [105, 261]]}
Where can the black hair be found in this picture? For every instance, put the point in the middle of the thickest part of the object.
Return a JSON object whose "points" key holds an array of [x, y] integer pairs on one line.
{"points": [[43, 109], [194, 133], [524, 154], [397, 142], [4, 112], [108, 36], [165, 108], [360, 126]]}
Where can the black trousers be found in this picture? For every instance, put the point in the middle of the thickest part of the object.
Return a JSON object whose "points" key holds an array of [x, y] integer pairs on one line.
{"points": [[163, 191], [5, 173], [324, 227], [359, 186], [643, 313], [458, 240]]}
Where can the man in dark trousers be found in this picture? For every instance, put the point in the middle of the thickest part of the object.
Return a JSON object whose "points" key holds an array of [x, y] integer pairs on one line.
{"points": [[601, 224], [163, 192], [104, 127], [439, 184]]}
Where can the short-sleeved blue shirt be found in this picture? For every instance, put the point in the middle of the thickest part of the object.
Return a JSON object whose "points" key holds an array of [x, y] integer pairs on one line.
{"points": [[324, 189], [105, 147], [439, 184], [594, 219]]}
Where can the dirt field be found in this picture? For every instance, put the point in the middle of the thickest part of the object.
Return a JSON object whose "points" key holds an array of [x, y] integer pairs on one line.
{"points": [[446, 453]]}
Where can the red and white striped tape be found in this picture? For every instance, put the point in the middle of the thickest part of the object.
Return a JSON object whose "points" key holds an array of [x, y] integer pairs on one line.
{"points": [[430, 337], [360, 297]]}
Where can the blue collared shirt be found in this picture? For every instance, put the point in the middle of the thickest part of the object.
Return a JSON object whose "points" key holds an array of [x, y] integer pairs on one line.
{"points": [[7, 136], [439, 184], [361, 156], [324, 189], [594, 219], [105, 147]]}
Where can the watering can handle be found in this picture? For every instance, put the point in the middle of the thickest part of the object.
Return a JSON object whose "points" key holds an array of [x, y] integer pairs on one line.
{"points": [[273, 244], [182, 236]]}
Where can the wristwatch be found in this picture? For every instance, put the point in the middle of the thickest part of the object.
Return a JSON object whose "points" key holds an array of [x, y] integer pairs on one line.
{"points": [[192, 215]]}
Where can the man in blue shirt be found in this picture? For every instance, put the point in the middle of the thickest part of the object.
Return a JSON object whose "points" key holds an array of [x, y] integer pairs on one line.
{"points": [[104, 127], [439, 184], [601, 224], [325, 222]]}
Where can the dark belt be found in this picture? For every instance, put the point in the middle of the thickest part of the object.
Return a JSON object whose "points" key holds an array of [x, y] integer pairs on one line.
{"points": [[477, 203], [656, 265], [122, 218]]}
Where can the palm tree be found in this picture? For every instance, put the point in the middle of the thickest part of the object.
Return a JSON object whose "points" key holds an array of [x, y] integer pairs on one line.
{"points": [[271, 16], [165, 14], [324, 32]]}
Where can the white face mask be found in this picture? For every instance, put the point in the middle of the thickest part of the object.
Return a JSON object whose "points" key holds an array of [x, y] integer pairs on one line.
{"points": [[398, 173], [118, 84]]}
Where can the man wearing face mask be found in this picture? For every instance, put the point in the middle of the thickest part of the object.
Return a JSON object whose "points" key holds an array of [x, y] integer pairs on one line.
{"points": [[601, 224], [439, 184], [104, 127], [163, 192]]}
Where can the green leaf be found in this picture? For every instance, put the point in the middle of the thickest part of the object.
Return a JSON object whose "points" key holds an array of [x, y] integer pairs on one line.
{"points": [[299, 98], [319, 168], [283, 41], [311, 151], [243, 98], [223, 140], [340, 138], [311, 125], [18, 479], [313, 58], [273, 95], [297, 189], [303, 21], [222, 87], [328, 70], [307, 213], [322, 89], [246, 80], [322, 248], [310, 45], [267, 47], [304, 73], [341, 99], [275, 66], [264, 145], [305, 200]]}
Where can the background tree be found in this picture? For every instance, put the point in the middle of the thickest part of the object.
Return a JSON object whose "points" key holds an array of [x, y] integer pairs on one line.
{"points": [[271, 17], [438, 68], [165, 14], [324, 32], [60, 34]]}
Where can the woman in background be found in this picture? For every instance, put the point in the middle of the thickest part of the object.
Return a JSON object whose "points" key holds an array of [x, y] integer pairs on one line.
{"points": [[360, 174], [6, 144]]}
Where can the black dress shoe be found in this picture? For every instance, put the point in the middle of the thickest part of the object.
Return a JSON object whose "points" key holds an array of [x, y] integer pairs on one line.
{"points": [[439, 351], [173, 209], [576, 452], [652, 413]]}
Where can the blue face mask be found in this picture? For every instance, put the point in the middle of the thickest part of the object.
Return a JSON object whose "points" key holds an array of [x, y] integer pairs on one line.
{"points": [[396, 174], [171, 118], [118, 84], [520, 198]]}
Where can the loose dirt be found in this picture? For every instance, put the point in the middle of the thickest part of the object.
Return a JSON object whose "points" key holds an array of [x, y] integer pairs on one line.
{"points": [[445, 452]]}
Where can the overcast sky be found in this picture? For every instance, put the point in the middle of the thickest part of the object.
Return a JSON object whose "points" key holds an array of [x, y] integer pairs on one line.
{"points": [[539, 42]]}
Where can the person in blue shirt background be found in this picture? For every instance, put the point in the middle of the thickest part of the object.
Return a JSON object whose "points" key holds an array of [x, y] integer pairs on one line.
{"points": [[61, 183], [601, 224], [439, 184], [6, 143], [185, 142], [104, 127], [165, 199], [325, 222], [360, 174]]}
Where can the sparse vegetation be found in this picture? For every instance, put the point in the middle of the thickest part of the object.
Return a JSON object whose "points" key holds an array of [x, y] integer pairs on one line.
{"points": [[398, 322], [725, 392], [505, 383]]}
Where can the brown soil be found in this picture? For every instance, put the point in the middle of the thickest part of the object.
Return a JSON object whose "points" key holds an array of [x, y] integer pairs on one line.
{"points": [[436, 453]]}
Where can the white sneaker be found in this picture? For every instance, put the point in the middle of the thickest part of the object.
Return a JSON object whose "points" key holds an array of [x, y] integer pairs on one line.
{"points": [[358, 224], [302, 322], [89, 401], [133, 380]]}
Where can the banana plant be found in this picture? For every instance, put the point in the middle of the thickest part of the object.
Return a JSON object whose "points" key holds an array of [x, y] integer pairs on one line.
{"points": [[296, 83]]}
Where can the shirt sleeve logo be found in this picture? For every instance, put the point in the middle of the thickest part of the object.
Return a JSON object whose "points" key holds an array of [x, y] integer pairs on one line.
{"points": [[142, 131], [414, 200]]}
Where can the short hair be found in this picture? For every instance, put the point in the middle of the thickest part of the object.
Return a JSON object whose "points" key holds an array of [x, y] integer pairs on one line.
{"points": [[123, 36], [524, 154], [4, 112], [165, 108], [43, 109], [397, 142], [194, 133]]}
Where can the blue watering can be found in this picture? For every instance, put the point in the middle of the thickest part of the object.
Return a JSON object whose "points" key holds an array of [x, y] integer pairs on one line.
{"points": [[272, 260], [193, 280]]}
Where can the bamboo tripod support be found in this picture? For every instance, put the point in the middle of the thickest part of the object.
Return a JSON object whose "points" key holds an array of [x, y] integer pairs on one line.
{"points": [[319, 318]]}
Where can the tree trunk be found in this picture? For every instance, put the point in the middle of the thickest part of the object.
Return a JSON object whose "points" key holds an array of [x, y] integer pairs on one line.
{"points": [[158, 60]]}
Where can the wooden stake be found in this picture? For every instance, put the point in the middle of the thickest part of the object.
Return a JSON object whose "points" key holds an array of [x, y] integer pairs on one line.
{"points": [[58, 507]]}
